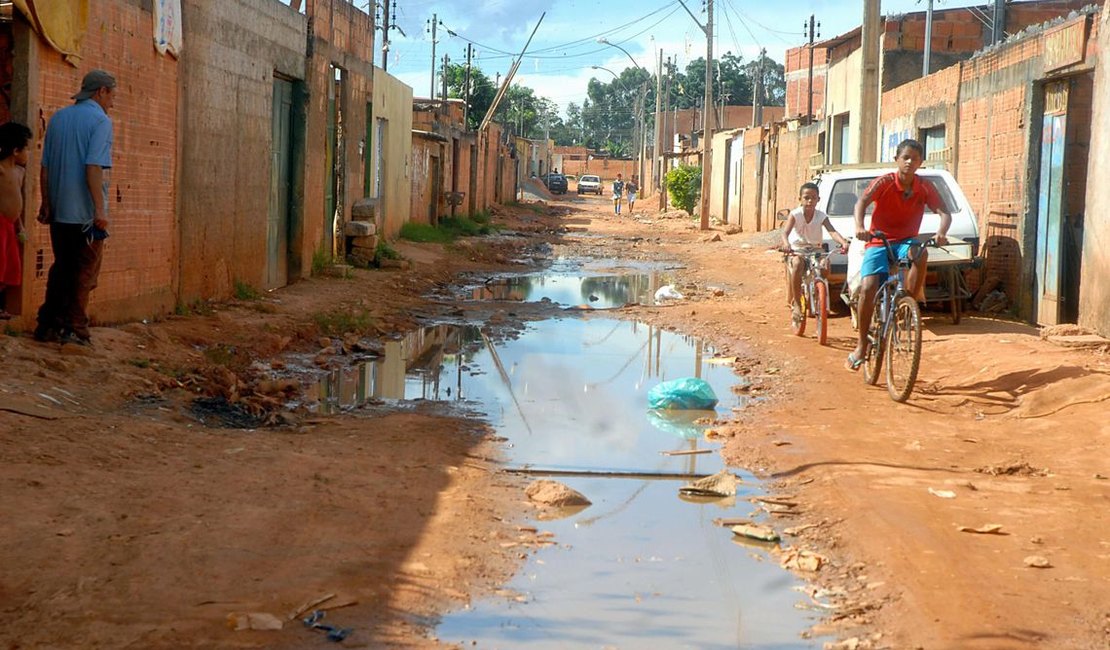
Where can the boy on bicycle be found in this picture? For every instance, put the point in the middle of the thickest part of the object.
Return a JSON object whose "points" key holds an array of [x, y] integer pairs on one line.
{"points": [[803, 230], [900, 199]]}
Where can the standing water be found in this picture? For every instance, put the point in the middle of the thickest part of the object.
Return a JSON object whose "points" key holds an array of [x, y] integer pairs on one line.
{"points": [[642, 567]]}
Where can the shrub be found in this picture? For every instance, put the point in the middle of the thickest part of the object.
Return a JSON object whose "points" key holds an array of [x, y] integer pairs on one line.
{"points": [[684, 187]]}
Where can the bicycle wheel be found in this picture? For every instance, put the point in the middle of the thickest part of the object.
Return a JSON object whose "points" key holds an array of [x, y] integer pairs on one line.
{"points": [[821, 311], [798, 325], [903, 349]]}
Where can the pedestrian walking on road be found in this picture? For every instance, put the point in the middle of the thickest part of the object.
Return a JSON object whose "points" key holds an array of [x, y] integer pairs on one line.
{"points": [[76, 159], [631, 188], [618, 193], [14, 138]]}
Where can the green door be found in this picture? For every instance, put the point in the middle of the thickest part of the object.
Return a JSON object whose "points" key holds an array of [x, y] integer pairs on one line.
{"points": [[277, 224]]}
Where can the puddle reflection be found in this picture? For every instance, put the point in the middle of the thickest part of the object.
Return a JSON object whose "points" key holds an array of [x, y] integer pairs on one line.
{"points": [[592, 291]]}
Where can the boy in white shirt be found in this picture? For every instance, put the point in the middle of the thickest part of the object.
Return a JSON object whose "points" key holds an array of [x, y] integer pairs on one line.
{"points": [[803, 230]]}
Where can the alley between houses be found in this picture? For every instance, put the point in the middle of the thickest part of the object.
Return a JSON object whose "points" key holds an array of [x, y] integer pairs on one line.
{"points": [[170, 483]]}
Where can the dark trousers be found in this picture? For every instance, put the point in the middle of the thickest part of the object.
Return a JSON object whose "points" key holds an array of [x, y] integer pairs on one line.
{"points": [[71, 279]]}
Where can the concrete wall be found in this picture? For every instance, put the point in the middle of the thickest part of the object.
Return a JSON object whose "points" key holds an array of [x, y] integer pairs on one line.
{"points": [[606, 168], [341, 34], [1094, 288], [842, 96], [751, 182], [140, 259], [796, 146], [718, 184], [393, 104], [233, 52]]}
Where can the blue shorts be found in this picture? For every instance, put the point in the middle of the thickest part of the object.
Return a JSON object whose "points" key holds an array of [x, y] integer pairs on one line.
{"points": [[875, 261]]}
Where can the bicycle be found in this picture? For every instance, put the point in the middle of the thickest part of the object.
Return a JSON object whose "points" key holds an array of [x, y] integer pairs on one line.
{"points": [[896, 326], [814, 298]]}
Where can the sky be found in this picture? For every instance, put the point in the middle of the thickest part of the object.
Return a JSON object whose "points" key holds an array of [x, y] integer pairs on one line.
{"points": [[558, 64]]}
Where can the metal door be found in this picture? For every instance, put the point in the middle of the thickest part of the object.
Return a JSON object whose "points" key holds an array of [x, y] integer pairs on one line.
{"points": [[1049, 203], [277, 224]]}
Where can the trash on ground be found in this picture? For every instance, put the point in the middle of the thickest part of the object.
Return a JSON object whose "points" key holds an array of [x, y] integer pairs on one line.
{"points": [[721, 484], [721, 361], [985, 529], [554, 493], [685, 393], [334, 633], [678, 423], [686, 452], [667, 292], [1037, 562], [752, 531], [253, 621], [944, 494]]}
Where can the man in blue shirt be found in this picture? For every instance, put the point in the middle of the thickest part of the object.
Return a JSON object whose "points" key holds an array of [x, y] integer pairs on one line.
{"points": [[76, 159]]}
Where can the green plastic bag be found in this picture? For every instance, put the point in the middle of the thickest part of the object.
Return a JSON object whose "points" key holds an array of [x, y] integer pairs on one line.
{"points": [[685, 393]]}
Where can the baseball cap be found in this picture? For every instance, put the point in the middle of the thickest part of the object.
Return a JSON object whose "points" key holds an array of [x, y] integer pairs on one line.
{"points": [[94, 81]]}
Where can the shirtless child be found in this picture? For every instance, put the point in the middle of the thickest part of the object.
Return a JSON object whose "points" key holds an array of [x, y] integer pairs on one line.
{"points": [[14, 138]]}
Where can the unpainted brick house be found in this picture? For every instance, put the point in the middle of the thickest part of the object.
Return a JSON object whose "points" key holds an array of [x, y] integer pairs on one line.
{"points": [[1015, 123], [236, 161]]}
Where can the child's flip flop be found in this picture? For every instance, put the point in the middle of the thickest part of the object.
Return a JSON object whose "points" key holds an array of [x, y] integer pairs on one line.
{"points": [[853, 363]]}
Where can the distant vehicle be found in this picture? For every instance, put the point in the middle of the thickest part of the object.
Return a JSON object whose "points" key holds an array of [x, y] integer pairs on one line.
{"points": [[555, 183], [589, 183]]}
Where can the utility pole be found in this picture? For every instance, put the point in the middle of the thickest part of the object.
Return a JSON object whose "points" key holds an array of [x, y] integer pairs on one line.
{"points": [[432, 30], [869, 84], [757, 91], [443, 97], [385, 35], [656, 163], [466, 88], [707, 130], [809, 85], [928, 38], [998, 26]]}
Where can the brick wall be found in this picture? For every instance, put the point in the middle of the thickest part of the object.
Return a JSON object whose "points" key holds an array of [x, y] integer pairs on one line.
{"points": [[795, 148], [750, 184], [606, 168], [1094, 296], [139, 268]]}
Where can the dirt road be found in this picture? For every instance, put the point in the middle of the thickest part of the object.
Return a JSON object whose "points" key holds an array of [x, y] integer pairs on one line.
{"points": [[132, 519]]}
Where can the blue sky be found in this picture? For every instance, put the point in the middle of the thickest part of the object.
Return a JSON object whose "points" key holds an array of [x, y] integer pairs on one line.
{"points": [[565, 47]]}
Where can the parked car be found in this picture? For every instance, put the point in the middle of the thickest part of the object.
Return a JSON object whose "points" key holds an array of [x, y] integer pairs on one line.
{"points": [[555, 183], [841, 187], [589, 183]]}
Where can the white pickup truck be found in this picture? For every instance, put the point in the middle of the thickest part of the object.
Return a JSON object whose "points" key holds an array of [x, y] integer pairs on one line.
{"points": [[840, 187]]}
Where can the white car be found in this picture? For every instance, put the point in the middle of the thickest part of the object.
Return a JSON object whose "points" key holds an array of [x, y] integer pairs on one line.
{"points": [[589, 183], [841, 187]]}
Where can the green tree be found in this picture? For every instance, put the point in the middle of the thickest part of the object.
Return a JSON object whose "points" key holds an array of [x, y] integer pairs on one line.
{"points": [[482, 90], [774, 80], [684, 187]]}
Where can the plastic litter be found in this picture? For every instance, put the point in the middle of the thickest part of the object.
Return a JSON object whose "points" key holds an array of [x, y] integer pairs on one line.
{"points": [[337, 634], [685, 393], [667, 292]]}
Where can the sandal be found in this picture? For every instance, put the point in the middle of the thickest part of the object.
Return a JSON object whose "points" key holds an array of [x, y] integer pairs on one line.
{"points": [[853, 363]]}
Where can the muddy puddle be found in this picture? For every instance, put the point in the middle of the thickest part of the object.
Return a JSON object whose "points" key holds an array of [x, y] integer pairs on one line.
{"points": [[641, 567], [578, 287]]}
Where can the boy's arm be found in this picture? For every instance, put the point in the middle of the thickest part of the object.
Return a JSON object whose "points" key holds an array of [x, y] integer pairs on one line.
{"points": [[786, 229], [837, 237], [937, 206]]}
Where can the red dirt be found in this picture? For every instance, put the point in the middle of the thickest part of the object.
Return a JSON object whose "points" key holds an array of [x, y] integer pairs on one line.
{"points": [[128, 523]]}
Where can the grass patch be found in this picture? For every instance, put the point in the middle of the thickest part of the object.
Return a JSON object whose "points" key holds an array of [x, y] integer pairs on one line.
{"points": [[384, 251], [140, 362], [320, 261], [449, 229], [338, 322], [220, 355], [244, 291], [195, 308]]}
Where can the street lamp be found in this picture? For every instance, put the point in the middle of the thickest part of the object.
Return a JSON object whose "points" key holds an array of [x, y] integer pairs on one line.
{"points": [[640, 109]]}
